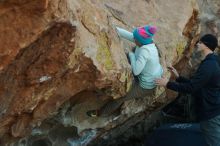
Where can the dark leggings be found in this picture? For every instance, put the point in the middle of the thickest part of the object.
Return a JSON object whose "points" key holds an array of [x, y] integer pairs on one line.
{"points": [[136, 91]]}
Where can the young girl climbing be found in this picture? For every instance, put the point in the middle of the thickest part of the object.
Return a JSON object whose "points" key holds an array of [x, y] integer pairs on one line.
{"points": [[145, 67]]}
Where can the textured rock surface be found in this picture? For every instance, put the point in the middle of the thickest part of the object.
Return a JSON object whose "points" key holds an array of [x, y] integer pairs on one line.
{"points": [[60, 58]]}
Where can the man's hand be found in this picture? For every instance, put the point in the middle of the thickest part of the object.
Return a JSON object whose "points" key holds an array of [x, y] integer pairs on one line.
{"points": [[161, 81], [174, 71]]}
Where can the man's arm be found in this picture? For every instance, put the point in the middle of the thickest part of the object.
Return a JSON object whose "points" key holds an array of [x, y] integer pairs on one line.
{"points": [[182, 79], [201, 77]]}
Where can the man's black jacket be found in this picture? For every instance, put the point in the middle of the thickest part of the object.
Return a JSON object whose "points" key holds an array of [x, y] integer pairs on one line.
{"points": [[204, 86]]}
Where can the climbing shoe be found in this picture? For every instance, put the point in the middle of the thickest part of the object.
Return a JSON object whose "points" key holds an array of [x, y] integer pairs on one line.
{"points": [[92, 113]]}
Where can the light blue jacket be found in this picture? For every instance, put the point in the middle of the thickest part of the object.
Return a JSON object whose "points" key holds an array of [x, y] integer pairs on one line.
{"points": [[145, 64]]}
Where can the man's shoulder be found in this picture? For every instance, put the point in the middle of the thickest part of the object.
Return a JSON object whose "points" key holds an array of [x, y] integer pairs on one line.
{"points": [[209, 64]]}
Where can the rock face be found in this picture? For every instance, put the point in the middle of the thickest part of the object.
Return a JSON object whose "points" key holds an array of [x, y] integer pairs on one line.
{"points": [[60, 58]]}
